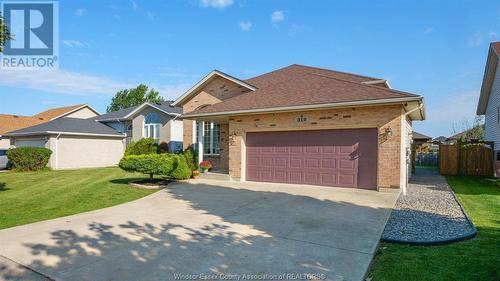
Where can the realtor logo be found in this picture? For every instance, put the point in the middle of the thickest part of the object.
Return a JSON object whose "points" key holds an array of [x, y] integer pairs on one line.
{"points": [[34, 26]]}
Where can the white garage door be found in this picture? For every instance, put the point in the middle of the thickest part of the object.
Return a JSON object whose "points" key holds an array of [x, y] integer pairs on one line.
{"points": [[30, 142], [88, 152]]}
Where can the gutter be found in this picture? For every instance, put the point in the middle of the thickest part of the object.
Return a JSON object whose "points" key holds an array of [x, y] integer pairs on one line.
{"points": [[309, 106], [61, 133]]}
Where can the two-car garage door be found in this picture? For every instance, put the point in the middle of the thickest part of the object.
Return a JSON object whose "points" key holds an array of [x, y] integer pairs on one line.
{"points": [[346, 158]]}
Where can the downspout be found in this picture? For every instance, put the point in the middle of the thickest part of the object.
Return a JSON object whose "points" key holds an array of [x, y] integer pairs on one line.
{"points": [[420, 105], [57, 150]]}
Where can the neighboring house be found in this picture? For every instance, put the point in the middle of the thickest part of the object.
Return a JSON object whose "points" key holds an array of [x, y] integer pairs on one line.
{"points": [[423, 143], [9, 122], [149, 120], [489, 100], [474, 134], [303, 125], [100, 141]]}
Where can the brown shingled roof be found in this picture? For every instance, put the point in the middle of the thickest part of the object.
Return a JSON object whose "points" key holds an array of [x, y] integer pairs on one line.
{"points": [[496, 47], [297, 85], [55, 112], [9, 122]]}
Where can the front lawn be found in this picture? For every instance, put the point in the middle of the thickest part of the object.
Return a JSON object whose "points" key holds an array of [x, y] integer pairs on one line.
{"points": [[476, 259], [34, 196]]}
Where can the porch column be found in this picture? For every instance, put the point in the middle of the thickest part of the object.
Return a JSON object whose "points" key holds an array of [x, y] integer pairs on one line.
{"points": [[200, 140]]}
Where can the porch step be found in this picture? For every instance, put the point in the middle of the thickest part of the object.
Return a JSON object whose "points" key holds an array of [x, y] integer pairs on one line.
{"points": [[215, 176]]}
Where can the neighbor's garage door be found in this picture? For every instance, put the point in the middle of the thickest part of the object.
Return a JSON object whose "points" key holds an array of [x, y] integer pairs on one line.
{"points": [[346, 158]]}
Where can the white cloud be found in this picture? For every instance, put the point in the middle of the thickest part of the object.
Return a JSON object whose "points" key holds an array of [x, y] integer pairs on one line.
{"points": [[80, 12], [476, 40], [219, 4], [172, 92], [278, 16], [75, 43], [245, 25], [134, 4], [62, 82]]}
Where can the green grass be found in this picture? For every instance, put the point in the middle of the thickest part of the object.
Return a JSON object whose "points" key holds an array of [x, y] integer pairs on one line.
{"points": [[475, 259], [34, 196]]}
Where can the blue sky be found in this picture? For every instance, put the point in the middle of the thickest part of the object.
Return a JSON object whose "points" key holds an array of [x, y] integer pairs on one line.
{"points": [[433, 48]]}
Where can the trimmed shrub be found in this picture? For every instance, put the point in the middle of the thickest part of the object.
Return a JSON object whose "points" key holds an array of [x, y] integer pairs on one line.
{"points": [[181, 170], [29, 158], [191, 158], [150, 164], [141, 147]]}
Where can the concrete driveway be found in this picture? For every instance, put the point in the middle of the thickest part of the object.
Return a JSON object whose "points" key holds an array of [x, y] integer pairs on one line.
{"points": [[207, 227]]}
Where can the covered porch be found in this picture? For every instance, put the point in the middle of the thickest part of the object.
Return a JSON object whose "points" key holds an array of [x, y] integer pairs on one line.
{"points": [[211, 142]]}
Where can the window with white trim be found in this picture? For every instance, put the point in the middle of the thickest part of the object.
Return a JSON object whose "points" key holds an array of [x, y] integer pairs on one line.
{"points": [[211, 138], [152, 126]]}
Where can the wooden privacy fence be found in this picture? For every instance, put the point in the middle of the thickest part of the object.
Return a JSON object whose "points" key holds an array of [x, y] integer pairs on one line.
{"points": [[471, 159]]}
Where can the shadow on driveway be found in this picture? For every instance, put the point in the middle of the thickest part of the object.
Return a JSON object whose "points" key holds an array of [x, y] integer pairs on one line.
{"points": [[210, 229]]}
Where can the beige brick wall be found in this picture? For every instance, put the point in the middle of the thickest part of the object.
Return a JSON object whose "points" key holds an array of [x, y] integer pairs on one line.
{"points": [[381, 117], [216, 91]]}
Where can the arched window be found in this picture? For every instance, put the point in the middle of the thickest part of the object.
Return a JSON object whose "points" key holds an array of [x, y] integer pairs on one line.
{"points": [[152, 126]]}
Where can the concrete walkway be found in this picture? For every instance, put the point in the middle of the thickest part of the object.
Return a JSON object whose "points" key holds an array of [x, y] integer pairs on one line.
{"points": [[209, 227]]}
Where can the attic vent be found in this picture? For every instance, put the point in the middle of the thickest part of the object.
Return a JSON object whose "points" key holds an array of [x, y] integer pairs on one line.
{"points": [[158, 103]]}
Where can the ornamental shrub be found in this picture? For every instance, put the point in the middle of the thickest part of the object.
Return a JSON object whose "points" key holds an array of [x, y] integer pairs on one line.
{"points": [[29, 158], [191, 158], [181, 170], [150, 164], [143, 146]]}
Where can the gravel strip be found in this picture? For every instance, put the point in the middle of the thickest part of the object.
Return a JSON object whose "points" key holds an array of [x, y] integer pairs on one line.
{"points": [[428, 214]]}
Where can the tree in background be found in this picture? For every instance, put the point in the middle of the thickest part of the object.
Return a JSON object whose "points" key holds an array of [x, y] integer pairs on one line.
{"points": [[133, 97], [4, 33], [466, 130]]}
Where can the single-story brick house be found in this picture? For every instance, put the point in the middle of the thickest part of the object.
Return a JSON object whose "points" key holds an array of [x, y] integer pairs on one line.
{"points": [[303, 125]]}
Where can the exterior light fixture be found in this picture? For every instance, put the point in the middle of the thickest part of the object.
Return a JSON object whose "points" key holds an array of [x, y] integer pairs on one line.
{"points": [[388, 132]]}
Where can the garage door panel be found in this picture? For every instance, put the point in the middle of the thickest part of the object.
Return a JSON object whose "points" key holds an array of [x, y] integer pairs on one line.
{"points": [[328, 164], [311, 163], [280, 175], [281, 163], [325, 157], [296, 149], [296, 163]]}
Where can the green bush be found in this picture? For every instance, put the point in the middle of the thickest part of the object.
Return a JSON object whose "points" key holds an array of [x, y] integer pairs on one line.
{"points": [[181, 170], [150, 164], [165, 165], [29, 158], [143, 146], [191, 158]]}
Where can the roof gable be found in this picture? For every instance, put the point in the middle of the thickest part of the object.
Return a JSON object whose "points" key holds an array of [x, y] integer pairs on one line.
{"points": [[9, 122], [488, 77], [207, 79], [130, 112], [76, 126]]}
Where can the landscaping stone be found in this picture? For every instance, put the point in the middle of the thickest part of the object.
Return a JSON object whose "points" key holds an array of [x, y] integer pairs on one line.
{"points": [[429, 213]]}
